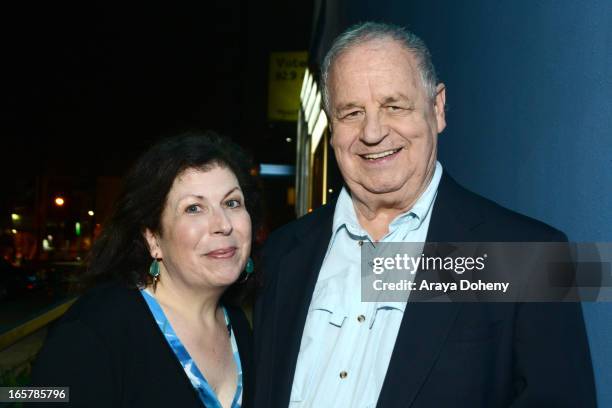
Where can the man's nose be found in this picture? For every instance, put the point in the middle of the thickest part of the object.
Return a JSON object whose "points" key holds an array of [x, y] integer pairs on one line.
{"points": [[374, 130], [220, 222]]}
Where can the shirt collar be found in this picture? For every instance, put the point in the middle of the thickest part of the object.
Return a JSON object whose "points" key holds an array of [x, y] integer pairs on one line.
{"points": [[345, 216]]}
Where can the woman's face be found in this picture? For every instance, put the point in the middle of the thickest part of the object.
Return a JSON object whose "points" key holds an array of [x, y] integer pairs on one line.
{"points": [[205, 235]]}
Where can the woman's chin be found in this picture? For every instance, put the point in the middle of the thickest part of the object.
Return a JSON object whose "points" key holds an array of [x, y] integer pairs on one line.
{"points": [[225, 279]]}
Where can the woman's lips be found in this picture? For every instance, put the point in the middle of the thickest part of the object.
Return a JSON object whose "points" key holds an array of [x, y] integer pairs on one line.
{"points": [[222, 253]]}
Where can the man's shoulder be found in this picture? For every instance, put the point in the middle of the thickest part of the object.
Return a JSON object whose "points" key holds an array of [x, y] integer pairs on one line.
{"points": [[301, 227], [496, 222]]}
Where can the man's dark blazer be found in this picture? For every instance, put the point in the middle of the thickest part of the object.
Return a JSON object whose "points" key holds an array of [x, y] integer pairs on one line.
{"points": [[446, 354], [109, 350]]}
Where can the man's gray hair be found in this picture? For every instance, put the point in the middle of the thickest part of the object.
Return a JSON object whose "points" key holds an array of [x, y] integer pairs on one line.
{"points": [[368, 31]]}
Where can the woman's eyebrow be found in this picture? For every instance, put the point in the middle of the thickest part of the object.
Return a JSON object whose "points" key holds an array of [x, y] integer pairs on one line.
{"points": [[199, 197], [232, 190]]}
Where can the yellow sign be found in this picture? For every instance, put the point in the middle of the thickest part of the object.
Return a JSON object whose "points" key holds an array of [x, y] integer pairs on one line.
{"points": [[284, 84]]}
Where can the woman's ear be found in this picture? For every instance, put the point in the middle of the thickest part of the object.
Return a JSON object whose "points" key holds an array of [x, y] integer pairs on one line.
{"points": [[154, 248]]}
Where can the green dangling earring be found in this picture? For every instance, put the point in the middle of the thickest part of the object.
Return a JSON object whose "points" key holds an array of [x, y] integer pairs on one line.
{"points": [[154, 272], [250, 266], [248, 270]]}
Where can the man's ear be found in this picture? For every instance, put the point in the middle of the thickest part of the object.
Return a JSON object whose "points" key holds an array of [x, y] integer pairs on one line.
{"points": [[439, 104], [154, 248]]}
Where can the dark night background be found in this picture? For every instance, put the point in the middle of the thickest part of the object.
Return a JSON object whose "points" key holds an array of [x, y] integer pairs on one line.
{"points": [[87, 87]]}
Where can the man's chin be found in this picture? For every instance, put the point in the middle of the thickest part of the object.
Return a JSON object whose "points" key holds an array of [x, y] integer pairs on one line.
{"points": [[379, 188]]}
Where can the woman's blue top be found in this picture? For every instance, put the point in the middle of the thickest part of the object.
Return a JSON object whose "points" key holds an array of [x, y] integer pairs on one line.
{"points": [[204, 390]]}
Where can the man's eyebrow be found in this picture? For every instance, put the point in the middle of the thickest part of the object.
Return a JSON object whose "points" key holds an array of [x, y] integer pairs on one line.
{"points": [[400, 97], [346, 106]]}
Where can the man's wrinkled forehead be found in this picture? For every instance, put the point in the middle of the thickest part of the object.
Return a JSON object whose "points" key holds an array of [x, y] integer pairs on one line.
{"points": [[382, 59]]}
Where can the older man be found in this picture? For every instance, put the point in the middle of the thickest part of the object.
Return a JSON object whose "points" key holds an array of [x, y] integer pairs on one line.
{"points": [[319, 345]]}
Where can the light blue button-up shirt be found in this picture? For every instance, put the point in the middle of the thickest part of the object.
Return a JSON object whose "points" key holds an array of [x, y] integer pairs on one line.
{"points": [[347, 344]]}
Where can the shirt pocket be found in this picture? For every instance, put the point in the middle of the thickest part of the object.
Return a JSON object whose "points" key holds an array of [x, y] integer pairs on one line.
{"points": [[308, 368], [326, 316], [302, 376]]}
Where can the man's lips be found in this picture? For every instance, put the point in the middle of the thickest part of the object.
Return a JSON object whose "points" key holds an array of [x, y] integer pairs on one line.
{"points": [[380, 155], [222, 253]]}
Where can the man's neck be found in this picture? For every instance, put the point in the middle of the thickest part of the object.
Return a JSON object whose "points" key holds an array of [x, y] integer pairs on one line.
{"points": [[375, 212]]}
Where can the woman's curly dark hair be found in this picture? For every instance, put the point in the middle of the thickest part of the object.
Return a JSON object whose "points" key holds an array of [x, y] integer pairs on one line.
{"points": [[121, 252]]}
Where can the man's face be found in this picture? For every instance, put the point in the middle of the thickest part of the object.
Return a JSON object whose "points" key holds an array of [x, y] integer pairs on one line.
{"points": [[384, 125]]}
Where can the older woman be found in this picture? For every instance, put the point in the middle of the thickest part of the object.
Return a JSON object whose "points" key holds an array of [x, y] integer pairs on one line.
{"points": [[163, 331]]}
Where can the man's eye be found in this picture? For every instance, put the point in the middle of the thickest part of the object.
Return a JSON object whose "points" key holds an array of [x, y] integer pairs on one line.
{"points": [[193, 208], [352, 115], [394, 108], [233, 203]]}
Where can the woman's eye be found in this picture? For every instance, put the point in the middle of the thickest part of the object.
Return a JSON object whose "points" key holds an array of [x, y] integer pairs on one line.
{"points": [[233, 203], [193, 208]]}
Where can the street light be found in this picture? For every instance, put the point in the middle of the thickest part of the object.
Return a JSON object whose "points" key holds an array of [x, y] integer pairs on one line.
{"points": [[59, 201]]}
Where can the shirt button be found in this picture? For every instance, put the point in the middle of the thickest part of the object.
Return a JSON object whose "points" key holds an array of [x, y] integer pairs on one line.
{"points": [[361, 318], [360, 242], [343, 374]]}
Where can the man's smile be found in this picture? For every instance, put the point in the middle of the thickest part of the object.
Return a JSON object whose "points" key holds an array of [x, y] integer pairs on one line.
{"points": [[380, 155]]}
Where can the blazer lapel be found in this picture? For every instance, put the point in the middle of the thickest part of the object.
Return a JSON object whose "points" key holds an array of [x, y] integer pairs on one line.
{"points": [[298, 274], [426, 325]]}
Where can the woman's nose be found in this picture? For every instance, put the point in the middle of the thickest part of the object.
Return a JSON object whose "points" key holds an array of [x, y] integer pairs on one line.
{"points": [[220, 223]]}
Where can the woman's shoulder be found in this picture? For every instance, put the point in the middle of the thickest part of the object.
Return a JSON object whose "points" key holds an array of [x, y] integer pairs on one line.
{"points": [[105, 305]]}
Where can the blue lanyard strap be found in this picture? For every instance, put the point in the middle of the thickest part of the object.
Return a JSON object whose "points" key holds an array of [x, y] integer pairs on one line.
{"points": [[204, 390]]}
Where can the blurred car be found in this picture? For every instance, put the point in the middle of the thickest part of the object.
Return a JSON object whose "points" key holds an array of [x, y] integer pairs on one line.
{"points": [[15, 281]]}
